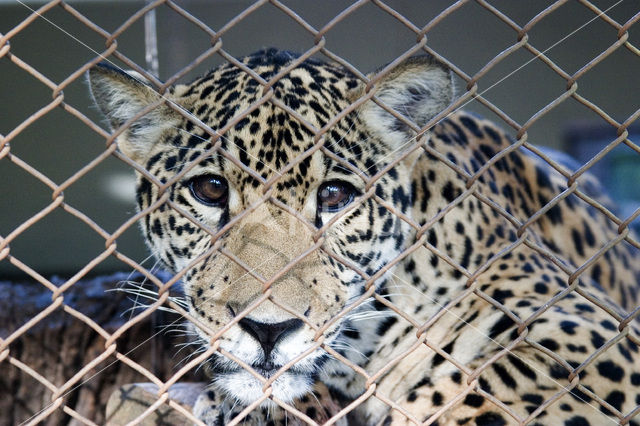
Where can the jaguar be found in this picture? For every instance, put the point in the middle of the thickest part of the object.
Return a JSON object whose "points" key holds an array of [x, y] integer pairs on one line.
{"points": [[358, 250]]}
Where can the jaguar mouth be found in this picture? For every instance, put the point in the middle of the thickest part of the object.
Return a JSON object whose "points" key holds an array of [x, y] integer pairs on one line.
{"points": [[245, 387], [265, 369]]}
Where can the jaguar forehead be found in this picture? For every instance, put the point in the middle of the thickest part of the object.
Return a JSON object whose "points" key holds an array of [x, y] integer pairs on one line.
{"points": [[269, 137]]}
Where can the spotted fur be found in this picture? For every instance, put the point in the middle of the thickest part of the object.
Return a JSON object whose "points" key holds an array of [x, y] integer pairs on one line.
{"points": [[446, 259]]}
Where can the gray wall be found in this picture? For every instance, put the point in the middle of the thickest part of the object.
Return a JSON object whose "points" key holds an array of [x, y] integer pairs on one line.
{"points": [[59, 144]]}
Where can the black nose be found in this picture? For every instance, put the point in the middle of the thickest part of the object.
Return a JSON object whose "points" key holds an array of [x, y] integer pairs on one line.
{"points": [[268, 334]]}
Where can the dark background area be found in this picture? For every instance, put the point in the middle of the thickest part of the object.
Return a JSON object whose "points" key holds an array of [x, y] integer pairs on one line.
{"points": [[59, 145]]}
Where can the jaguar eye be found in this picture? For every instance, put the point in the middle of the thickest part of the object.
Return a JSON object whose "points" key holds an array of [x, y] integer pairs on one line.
{"points": [[333, 196], [211, 190]]}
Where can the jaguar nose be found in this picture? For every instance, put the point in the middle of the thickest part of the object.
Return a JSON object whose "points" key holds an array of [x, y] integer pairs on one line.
{"points": [[268, 334]]}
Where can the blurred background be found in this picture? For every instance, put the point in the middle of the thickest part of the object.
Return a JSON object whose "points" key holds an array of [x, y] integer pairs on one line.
{"points": [[59, 144]]}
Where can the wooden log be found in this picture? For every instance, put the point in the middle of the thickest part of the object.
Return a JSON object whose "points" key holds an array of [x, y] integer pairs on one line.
{"points": [[59, 346]]}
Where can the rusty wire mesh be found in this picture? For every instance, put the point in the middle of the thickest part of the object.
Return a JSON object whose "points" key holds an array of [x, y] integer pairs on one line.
{"points": [[470, 91]]}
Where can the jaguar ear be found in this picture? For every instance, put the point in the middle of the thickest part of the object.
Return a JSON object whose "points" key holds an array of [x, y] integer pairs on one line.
{"points": [[120, 96], [419, 88]]}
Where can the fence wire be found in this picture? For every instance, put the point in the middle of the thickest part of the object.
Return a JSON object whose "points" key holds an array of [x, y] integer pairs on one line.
{"points": [[470, 92]]}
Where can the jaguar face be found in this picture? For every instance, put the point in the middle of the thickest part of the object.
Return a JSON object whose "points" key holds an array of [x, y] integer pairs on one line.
{"points": [[271, 215]]}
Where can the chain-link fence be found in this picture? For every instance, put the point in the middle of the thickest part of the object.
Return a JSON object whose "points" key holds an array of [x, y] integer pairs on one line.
{"points": [[615, 26]]}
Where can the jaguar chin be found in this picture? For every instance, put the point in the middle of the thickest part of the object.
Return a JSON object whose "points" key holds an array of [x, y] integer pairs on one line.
{"points": [[245, 388]]}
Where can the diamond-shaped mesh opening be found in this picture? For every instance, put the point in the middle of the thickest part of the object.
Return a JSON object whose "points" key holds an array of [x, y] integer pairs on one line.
{"points": [[39, 195], [23, 245], [18, 84], [572, 52], [494, 285], [360, 26], [35, 146], [494, 37], [67, 36], [590, 89], [509, 76], [256, 22]]}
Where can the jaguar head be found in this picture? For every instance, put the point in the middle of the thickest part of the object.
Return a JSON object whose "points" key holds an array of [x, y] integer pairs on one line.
{"points": [[271, 188]]}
